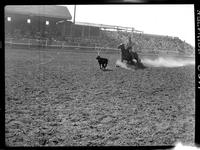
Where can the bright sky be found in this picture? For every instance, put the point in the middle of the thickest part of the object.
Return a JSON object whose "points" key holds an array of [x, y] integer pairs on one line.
{"points": [[171, 20]]}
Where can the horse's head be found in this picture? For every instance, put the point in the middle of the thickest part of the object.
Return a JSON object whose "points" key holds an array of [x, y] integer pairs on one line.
{"points": [[121, 46]]}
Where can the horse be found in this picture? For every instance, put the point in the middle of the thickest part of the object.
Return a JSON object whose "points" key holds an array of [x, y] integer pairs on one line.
{"points": [[129, 56], [125, 54]]}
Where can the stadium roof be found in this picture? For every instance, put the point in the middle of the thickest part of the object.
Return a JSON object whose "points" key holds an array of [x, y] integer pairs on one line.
{"points": [[109, 27], [54, 11]]}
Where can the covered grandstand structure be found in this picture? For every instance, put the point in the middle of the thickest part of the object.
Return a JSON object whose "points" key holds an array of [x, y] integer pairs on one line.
{"points": [[40, 20], [51, 26], [47, 20]]}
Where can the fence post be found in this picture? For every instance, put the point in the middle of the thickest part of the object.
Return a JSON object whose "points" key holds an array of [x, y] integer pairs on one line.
{"points": [[11, 41], [29, 43], [62, 45], [46, 43]]}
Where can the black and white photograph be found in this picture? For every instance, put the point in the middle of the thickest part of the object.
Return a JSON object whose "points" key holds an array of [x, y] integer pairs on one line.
{"points": [[99, 75]]}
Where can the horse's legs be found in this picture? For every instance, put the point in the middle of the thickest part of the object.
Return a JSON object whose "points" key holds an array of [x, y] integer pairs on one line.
{"points": [[137, 58], [134, 55]]}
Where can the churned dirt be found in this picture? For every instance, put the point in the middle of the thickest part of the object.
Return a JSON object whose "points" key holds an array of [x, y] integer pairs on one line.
{"points": [[56, 98]]}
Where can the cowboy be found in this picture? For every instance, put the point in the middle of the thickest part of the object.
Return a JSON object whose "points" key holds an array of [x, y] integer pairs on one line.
{"points": [[129, 44]]}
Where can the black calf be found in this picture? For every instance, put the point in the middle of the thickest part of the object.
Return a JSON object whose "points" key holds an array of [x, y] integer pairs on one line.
{"points": [[103, 62]]}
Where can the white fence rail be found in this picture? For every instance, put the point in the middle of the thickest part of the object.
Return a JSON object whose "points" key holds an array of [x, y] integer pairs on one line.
{"points": [[52, 44]]}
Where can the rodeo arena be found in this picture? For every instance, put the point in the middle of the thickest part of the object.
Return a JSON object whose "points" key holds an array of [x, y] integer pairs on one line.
{"points": [[73, 83]]}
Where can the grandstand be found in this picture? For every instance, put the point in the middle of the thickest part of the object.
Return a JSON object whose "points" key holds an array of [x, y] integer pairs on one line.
{"points": [[51, 26], [36, 21]]}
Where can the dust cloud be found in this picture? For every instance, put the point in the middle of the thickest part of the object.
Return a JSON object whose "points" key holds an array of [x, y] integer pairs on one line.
{"points": [[168, 62], [122, 65], [160, 62]]}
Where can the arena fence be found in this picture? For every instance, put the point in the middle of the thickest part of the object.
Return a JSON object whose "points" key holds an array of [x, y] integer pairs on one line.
{"points": [[39, 44], [44, 44]]}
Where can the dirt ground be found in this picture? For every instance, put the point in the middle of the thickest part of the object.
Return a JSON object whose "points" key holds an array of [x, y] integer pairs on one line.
{"points": [[63, 99]]}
